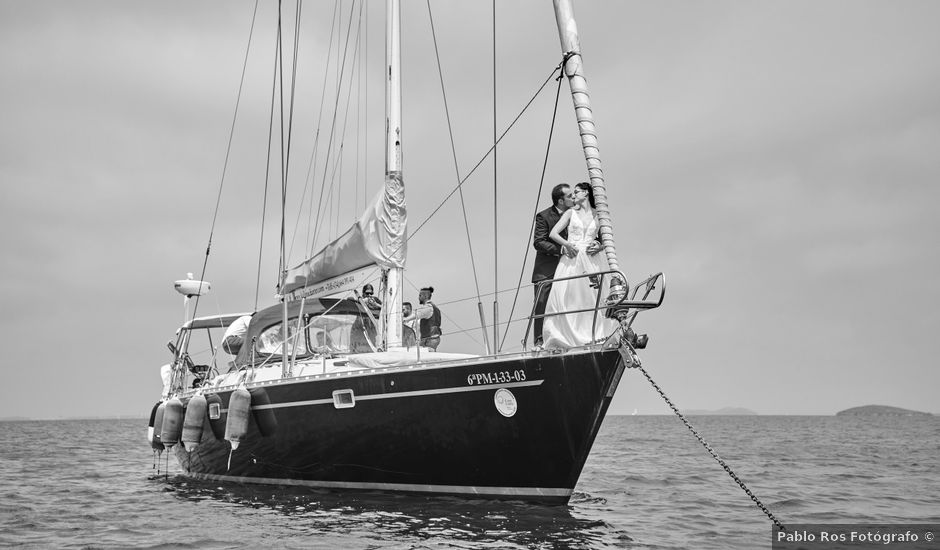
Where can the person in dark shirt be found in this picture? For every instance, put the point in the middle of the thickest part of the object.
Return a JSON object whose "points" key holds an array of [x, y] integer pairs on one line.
{"points": [[547, 252], [429, 319], [408, 337], [368, 296]]}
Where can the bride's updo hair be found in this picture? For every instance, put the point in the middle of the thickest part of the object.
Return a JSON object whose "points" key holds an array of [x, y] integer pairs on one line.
{"points": [[590, 191]]}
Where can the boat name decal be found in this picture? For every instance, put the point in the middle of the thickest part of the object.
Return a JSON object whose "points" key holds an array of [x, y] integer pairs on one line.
{"points": [[329, 287], [498, 377]]}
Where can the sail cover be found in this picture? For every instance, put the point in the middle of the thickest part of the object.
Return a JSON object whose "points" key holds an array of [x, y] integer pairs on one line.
{"points": [[379, 237]]}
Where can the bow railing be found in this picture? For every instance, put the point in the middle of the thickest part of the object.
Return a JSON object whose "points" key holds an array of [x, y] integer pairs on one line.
{"points": [[626, 308]]}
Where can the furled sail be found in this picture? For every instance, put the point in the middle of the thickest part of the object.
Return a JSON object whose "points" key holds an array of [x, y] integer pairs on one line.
{"points": [[379, 237]]}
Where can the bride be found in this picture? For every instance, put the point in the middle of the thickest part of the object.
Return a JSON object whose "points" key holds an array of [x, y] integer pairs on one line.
{"points": [[574, 329]]}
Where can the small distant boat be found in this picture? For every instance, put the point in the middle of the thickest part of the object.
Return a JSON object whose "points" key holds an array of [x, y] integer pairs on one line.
{"points": [[325, 391], [635, 411]]}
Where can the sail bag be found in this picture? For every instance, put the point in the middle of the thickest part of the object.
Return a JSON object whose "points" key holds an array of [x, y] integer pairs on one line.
{"points": [[379, 237]]}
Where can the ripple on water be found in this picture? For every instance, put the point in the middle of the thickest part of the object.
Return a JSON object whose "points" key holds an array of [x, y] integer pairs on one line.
{"points": [[647, 484]]}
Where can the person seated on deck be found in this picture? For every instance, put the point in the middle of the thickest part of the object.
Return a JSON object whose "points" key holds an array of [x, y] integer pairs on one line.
{"points": [[234, 335]]}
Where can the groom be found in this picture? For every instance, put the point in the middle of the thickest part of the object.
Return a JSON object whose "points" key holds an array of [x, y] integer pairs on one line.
{"points": [[547, 251]]}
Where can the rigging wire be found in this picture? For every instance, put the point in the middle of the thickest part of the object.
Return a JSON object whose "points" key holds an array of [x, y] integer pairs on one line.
{"points": [[365, 116], [337, 162], [285, 151], [453, 149], [455, 323], [364, 133], [333, 124], [485, 156], [355, 74], [469, 331], [337, 175], [548, 148], [457, 189], [342, 138], [336, 199], [267, 171], [311, 165], [462, 181], [486, 295], [462, 330], [228, 151], [282, 271], [359, 37], [293, 95]]}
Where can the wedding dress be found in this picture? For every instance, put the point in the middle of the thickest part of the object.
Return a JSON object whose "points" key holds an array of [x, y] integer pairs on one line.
{"points": [[574, 329]]}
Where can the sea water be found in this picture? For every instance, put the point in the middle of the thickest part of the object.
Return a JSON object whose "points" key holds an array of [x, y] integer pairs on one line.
{"points": [[648, 483]]}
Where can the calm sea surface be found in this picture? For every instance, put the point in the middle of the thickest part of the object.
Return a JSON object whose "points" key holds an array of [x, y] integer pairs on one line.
{"points": [[647, 484]]}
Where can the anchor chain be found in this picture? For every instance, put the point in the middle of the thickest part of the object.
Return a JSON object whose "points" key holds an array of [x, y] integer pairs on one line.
{"points": [[632, 361]]}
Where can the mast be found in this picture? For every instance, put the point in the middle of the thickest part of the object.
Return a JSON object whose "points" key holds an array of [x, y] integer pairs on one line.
{"points": [[495, 205], [393, 276], [571, 48]]}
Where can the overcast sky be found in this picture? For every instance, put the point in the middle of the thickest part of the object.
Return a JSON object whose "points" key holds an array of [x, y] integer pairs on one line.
{"points": [[778, 161]]}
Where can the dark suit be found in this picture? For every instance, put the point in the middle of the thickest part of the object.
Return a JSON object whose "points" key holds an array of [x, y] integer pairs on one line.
{"points": [[547, 254]]}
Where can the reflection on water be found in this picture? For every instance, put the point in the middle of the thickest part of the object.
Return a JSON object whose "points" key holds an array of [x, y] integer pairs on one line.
{"points": [[411, 518]]}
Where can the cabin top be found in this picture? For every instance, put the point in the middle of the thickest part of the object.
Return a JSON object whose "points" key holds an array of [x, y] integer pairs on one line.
{"points": [[327, 326]]}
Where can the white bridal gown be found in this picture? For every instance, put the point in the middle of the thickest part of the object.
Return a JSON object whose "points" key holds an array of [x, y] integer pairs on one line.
{"points": [[574, 329]]}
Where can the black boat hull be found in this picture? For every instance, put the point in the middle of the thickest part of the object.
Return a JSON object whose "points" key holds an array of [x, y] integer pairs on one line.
{"points": [[438, 429]]}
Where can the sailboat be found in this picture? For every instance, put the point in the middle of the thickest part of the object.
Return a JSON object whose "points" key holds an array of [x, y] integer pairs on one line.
{"points": [[325, 391]]}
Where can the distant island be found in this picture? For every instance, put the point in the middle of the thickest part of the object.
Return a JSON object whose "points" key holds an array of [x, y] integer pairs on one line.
{"points": [[880, 410], [727, 411]]}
